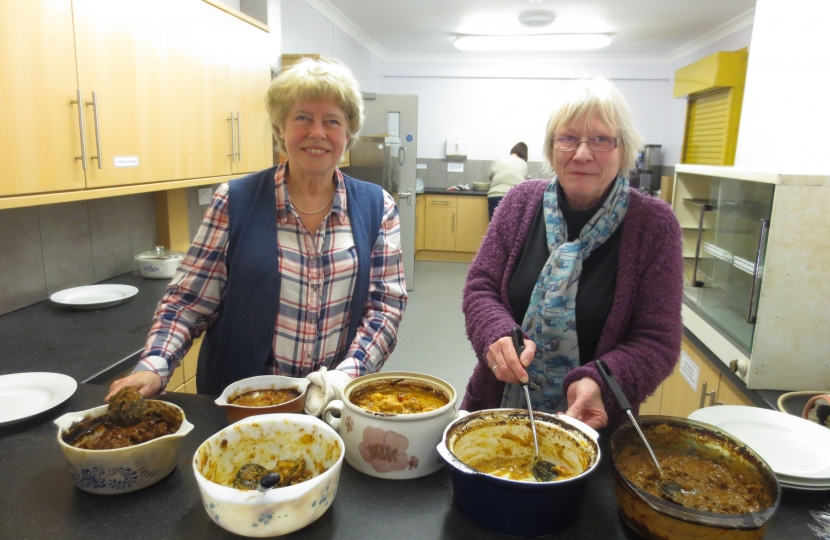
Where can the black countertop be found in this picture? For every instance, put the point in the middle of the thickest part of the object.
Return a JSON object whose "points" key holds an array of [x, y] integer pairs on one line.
{"points": [[39, 499], [81, 343], [442, 191]]}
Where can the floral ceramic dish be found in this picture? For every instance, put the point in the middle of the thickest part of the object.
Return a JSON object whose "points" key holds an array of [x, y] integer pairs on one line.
{"points": [[122, 470], [263, 440]]}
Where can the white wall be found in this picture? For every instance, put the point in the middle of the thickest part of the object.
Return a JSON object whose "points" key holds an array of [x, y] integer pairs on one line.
{"points": [[495, 104], [786, 110]]}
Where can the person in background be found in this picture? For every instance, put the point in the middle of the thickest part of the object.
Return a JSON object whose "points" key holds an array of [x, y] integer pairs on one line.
{"points": [[505, 173], [296, 270], [587, 267]]}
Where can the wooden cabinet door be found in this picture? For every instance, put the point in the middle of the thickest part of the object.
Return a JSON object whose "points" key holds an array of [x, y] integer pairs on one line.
{"points": [[472, 223], [40, 135], [250, 75], [679, 398], [122, 56], [420, 225], [653, 404], [440, 228], [729, 394], [200, 88]]}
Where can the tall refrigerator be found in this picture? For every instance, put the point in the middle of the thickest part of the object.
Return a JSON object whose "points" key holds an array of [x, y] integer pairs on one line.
{"points": [[378, 159]]}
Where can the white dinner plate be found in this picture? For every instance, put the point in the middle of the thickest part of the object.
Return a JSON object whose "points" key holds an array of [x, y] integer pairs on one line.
{"points": [[803, 487], [792, 446], [93, 296], [23, 395]]}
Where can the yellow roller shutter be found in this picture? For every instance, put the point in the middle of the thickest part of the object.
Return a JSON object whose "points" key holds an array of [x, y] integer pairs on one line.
{"points": [[706, 132]]}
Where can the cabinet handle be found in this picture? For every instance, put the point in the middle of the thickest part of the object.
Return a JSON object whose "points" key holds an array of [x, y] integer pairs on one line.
{"points": [[94, 104], [453, 222], [703, 209], [752, 315], [80, 102], [439, 201], [703, 394], [238, 136], [233, 140]]}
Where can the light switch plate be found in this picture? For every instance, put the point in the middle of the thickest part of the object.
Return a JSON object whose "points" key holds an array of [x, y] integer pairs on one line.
{"points": [[205, 195]]}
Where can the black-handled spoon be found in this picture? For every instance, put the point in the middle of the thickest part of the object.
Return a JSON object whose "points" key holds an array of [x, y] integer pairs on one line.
{"points": [[670, 489], [543, 471], [268, 481]]}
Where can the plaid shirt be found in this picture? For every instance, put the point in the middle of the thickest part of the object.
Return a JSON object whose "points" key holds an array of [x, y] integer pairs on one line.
{"points": [[318, 272]]}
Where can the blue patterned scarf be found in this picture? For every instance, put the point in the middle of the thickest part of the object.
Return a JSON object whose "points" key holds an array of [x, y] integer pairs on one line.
{"points": [[550, 320]]}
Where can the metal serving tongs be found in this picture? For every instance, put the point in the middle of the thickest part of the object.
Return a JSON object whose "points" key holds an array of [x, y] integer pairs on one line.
{"points": [[670, 490], [543, 471]]}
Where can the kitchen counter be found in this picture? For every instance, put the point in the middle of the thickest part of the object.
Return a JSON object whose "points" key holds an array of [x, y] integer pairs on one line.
{"points": [[81, 343], [442, 191], [39, 499]]}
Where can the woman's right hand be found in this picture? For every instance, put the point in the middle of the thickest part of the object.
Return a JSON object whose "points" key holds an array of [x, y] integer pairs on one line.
{"points": [[509, 367], [146, 382]]}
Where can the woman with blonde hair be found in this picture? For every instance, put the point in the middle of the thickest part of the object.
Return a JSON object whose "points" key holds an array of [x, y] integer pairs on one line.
{"points": [[585, 266], [296, 270]]}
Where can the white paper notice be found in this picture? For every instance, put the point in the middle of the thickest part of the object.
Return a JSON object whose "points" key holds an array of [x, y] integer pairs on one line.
{"points": [[125, 161], [455, 167], [689, 370]]}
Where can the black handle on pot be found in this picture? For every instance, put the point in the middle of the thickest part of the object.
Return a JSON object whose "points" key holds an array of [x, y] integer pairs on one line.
{"points": [[518, 341], [612, 383]]}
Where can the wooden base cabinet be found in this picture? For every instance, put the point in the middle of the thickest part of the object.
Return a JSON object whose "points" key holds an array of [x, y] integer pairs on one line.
{"points": [[676, 396], [420, 217], [453, 227]]}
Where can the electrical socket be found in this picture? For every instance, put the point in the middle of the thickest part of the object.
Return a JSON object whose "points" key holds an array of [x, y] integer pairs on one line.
{"points": [[205, 195]]}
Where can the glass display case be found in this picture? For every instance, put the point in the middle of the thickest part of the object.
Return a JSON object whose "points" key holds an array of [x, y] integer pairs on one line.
{"points": [[755, 286], [725, 225]]}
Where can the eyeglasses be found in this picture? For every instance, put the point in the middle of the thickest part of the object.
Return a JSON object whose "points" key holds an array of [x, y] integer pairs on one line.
{"points": [[596, 144]]}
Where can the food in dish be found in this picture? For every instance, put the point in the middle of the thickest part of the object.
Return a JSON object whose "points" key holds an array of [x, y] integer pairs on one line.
{"points": [[291, 471], [126, 407], [399, 398], [707, 483], [100, 433], [502, 460], [265, 397], [711, 479]]}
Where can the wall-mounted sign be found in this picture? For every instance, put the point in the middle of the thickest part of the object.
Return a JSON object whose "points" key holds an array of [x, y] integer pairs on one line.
{"points": [[125, 161]]}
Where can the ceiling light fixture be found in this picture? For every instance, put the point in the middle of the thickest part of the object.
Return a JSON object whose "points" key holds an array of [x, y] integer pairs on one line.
{"points": [[536, 18], [533, 43]]}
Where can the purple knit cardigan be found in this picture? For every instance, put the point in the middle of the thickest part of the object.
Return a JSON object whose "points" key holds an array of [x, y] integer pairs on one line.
{"points": [[641, 338]]}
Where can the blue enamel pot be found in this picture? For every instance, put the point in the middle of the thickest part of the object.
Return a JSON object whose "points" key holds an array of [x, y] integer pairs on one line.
{"points": [[514, 502]]}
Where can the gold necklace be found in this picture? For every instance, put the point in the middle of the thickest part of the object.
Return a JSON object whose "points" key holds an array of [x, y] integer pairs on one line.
{"points": [[300, 210]]}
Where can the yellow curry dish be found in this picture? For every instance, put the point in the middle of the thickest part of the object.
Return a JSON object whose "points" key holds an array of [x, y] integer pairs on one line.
{"points": [[399, 398], [265, 398]]}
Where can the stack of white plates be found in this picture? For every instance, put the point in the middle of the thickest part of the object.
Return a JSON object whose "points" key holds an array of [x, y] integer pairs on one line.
{"points": [[797, 450]]}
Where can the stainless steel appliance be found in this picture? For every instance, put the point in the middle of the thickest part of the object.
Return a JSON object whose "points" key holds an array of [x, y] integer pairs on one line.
{"points": [[378, 159], [649, 169]]}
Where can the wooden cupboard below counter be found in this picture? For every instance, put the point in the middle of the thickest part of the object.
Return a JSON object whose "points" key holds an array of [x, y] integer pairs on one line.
{"points": [[449, 227], [677, 397]]}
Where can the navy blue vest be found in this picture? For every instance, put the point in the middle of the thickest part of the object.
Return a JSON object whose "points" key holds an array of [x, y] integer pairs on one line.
{"points": [[238, 344]]}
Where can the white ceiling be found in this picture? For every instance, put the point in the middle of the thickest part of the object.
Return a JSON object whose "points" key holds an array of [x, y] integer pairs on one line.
{"points": [[641, 30]]}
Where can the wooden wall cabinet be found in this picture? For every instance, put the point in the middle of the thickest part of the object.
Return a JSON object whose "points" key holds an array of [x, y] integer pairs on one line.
{"points": [[110, 94]]}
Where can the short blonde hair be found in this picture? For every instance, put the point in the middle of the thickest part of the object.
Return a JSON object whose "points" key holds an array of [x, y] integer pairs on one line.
{"points": [[315, 80], [597, 97]]}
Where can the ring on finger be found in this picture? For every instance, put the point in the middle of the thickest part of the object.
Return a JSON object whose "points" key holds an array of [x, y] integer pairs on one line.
{"points": [[495, 367]]}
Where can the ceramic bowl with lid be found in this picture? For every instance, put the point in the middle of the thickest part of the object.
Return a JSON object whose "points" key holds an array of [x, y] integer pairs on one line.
{"points": [[158, 263]]}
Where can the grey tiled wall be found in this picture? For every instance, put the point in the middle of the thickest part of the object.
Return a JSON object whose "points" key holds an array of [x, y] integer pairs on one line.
{"points": [[475, 170], [45, 249]]}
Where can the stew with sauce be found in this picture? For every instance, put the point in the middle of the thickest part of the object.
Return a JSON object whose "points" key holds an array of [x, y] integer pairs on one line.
{"points": [[399, 399], [265, 398]]}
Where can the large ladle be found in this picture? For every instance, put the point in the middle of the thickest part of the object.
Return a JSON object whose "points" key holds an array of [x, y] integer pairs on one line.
{"points": [[543, 471], [670, 490]]}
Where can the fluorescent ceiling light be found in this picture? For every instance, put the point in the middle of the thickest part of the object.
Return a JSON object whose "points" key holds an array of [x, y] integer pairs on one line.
{"points": [[533, 43]]}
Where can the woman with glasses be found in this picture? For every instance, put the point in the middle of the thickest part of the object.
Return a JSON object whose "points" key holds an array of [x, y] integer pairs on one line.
{"points": [[586, 267]]}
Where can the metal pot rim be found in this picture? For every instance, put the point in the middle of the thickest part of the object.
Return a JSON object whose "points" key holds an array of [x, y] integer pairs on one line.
{"points": [[459, 466], [747, 521]]}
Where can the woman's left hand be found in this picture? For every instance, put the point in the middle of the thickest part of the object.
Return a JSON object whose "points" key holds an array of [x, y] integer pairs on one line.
{"points": [[585, 403]]}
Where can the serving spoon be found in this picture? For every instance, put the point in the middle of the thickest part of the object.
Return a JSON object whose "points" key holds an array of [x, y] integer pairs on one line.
{"points": [[669, 489], [543, 471]]}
